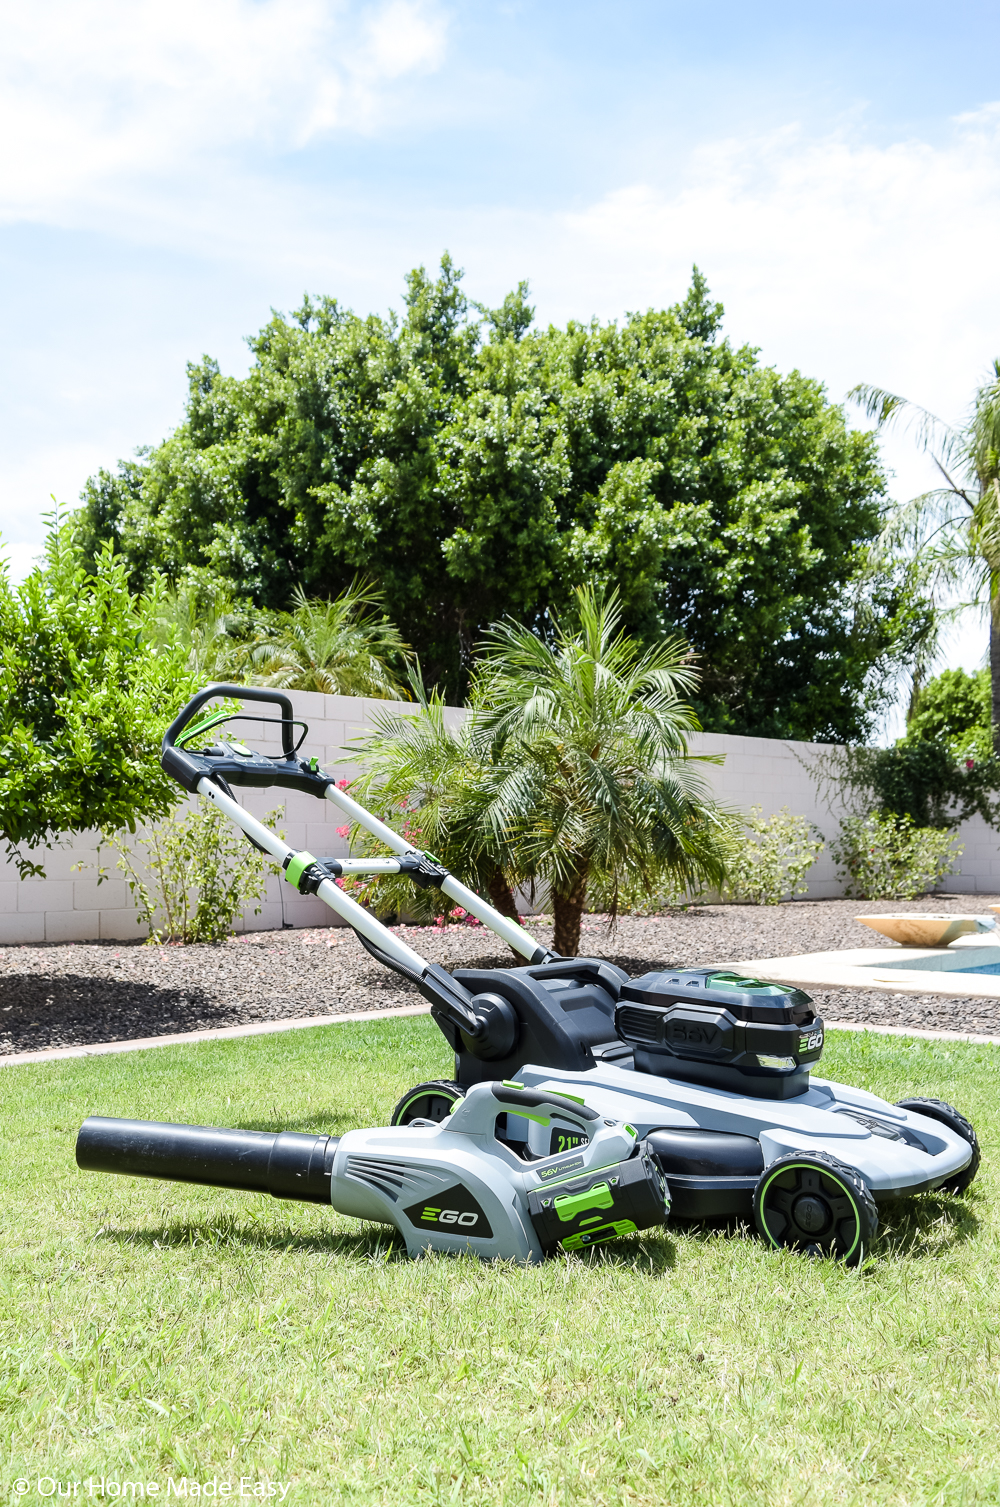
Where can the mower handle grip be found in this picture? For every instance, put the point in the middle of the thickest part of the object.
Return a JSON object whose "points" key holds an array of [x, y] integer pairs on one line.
{"points": [[236, 693]]}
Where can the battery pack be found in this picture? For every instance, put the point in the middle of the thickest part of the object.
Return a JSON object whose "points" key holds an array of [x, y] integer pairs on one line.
{"points": [[586, 1211]]}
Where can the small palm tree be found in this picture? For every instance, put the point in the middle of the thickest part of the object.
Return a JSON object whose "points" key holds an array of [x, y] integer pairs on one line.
{"points": [[954, 529], [422, 779], [586, 769], [207, 624], [344, 647]]}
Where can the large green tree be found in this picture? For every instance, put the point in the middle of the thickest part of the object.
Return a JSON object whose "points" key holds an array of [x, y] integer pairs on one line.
{"points": [[474, 467]]}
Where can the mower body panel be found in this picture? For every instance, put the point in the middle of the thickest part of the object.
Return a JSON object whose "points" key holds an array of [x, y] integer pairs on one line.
{"points": [[897, 1151]]}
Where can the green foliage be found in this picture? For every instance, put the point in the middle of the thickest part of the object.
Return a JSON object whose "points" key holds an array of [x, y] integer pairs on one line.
{"points": [[423, 779], [200, 620], [770, 857], [921, 781], [586, 768], [476, 467], [85, 698], [954, 709], [344, 647], [191, 875], [886, 857], [952, 533], [572, 768]]}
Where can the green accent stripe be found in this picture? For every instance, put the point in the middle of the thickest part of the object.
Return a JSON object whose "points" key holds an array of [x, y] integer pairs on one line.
{"points": [[212, 720]]}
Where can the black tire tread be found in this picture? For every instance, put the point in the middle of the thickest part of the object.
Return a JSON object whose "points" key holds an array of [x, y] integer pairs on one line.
{"points": [[859, 1190], [444, 1086], [947, 1114]]}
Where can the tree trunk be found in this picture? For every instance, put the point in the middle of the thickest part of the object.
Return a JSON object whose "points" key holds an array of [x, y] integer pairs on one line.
{"points": [[568, 912], [502, 899], [995, 661], [501, 895]]}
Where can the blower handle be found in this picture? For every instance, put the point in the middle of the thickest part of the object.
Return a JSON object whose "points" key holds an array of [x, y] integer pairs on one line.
{"points": [[476, 1113]]}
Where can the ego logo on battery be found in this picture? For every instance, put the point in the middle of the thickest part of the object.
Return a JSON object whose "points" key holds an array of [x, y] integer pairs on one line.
{"points": [[812, 1042], [454, 1211]]}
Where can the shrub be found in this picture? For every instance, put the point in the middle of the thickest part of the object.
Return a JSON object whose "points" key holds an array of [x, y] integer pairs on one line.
{"points": [[84, 702], [198, 874], [884, 857], [770, 857]]}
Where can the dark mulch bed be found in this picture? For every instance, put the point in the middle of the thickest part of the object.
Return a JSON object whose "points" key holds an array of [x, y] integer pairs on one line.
{"points": [[75, 994]]}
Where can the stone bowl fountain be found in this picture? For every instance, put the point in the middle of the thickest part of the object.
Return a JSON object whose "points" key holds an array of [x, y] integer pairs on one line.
{"points": [[924, 929]]}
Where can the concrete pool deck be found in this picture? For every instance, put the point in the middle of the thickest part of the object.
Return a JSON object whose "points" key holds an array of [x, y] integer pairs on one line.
{"points": [[901, 970]]}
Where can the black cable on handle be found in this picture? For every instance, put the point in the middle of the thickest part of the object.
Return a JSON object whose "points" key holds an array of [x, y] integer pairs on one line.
{"points": [[236, 693]]}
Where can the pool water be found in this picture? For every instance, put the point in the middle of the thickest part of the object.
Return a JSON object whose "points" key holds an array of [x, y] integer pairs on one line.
{"points": [[993, 968]]}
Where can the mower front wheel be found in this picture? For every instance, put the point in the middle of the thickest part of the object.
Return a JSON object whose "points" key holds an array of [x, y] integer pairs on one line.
{"points": [[947, 1114], [809, 1201], [428, 1101]]}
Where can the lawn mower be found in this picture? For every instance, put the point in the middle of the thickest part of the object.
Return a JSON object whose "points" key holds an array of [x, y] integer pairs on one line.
{"points": [[710, 1071]]}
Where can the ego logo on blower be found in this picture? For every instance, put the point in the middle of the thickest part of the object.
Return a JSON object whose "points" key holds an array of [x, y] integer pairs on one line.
{"points": [[453, 1211]]}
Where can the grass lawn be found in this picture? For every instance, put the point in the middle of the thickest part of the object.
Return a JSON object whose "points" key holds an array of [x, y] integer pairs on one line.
{"points": [[152, 1332]]}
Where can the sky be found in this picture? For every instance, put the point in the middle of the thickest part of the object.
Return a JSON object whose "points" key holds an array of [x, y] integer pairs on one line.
{"points": [[172, 173]]}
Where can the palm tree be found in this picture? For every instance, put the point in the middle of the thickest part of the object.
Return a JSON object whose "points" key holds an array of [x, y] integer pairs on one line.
{"points": [[586, 772], [211, 628], [955, 528], [421, 777], [344, 647]]}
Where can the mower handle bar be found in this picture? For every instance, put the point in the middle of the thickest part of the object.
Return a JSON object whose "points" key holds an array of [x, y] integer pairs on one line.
{"points": [[186, 771], [236, 693]]}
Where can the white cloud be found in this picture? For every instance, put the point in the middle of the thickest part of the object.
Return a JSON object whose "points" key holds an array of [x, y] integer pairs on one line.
{"points": [[851, 260], [94, 92]]}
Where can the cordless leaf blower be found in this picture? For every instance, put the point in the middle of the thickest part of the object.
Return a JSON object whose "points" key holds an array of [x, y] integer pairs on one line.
{"points": [[712, 1071], [455, 1186]]}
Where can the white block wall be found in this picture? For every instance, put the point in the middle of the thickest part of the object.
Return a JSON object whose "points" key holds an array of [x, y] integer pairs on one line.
{"points": [[68, 905], [772, 773]]}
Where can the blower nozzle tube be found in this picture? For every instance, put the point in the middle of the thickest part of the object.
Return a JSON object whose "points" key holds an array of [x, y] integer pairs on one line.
{"points": [[286, 1165]]}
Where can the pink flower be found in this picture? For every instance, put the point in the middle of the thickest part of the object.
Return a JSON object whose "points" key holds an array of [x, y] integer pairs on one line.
{"points": [[343, 831], [342, 784]]}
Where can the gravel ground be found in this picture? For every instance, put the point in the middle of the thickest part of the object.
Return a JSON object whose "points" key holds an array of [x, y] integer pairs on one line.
{"points": [[80, 993]]}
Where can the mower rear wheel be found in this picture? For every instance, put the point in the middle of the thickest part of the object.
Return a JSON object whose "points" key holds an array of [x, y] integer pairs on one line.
{"points": [[428, 1101], [809, 1201], [947, 1114]]}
